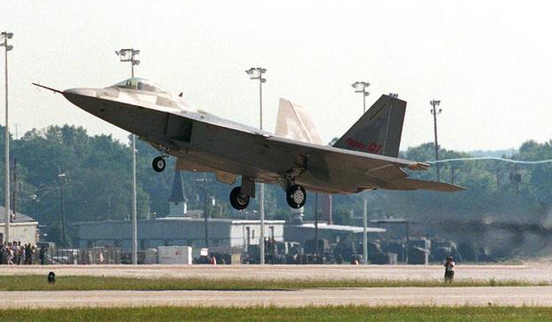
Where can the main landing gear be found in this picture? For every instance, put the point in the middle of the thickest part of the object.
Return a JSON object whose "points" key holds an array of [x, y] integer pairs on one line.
{"points": [[239, 196], [238, 200], [159, 164], [296, 196]]}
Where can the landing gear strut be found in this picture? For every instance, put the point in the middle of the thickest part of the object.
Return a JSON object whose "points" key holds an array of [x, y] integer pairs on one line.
{"points": [[238, 200], [159, 164], [296, 196]]}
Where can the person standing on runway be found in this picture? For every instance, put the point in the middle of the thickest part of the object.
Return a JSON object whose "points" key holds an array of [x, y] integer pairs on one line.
{"points": [[449, 269]]}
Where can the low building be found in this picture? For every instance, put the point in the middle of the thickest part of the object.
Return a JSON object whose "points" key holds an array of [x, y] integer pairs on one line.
{"points": [[225, 235], [331, 233], [23, 228]]}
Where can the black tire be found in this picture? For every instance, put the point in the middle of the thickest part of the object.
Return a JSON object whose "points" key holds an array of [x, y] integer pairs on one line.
{"points": [[296, 196], [159, 164], [237, 200]]}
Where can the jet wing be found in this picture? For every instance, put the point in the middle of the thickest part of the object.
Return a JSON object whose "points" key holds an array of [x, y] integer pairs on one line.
{"points": [[339, 170], [415, 184]]}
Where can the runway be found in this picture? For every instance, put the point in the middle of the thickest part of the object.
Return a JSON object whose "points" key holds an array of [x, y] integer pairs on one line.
{"points": [[531, 272], [388, 296], [410, 296]]}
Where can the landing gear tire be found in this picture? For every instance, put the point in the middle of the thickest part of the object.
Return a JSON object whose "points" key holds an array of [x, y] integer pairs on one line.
{"points": [[296, 196], [159, 164], [238, 200]]}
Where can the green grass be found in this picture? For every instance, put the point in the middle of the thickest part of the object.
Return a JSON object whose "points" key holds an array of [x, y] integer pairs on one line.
{"points": [[337, 313], [82, 283]]}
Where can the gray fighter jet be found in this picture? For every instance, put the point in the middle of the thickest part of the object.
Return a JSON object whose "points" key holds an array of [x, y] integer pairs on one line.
{"points": [[364, 158]]}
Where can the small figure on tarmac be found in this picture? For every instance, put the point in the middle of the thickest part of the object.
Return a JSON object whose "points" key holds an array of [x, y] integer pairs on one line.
{"points": [[449, 269]]}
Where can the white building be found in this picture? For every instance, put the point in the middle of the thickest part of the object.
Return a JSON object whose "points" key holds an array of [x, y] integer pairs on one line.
{"points": [[23, 228], [225, 235]]}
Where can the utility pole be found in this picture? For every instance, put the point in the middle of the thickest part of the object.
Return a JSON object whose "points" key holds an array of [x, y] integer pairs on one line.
{"points": [[516, 178], [435, 112], [257, 73], [128, 55], [5, 36]]}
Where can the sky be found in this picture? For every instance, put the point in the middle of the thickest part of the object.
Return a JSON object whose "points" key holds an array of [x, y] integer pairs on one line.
{"points": [[489, 63]]}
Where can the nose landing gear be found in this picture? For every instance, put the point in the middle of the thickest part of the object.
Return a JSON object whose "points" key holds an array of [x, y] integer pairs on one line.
{"points": [[159, 164]]}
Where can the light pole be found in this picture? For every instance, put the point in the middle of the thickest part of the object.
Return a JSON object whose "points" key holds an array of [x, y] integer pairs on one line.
{"points": [[61, 178], [257, 73], [360, 87], [316, 225], [205, 212], [5, 36], [435, 112], [128, 55]]}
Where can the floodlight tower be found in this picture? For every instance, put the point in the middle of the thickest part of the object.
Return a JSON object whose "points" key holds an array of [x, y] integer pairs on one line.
{"points": [[128, 55], [61, 179], [257, 73], [205, 199], [4, 36], [435, 112], [360, 87]]}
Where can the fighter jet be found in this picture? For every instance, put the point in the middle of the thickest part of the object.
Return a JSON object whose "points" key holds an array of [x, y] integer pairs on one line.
{"points": [[364, 158]]}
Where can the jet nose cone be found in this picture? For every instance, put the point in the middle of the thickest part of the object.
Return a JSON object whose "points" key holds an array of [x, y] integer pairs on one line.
{"points": [[80, 91]]}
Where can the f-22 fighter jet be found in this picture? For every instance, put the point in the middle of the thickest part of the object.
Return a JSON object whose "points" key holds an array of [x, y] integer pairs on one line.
{"points": [[364, 158]]}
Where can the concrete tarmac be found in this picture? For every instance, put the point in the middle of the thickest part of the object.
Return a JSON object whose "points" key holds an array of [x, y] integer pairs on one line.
{"points": [[408, 296], [531, 272]]}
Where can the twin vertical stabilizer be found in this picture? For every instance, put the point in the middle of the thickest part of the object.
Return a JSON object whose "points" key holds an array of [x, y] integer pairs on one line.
{"points": [[379, 130], [294, 123]]}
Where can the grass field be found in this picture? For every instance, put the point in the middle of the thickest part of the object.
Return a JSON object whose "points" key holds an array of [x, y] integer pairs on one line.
{"points": [[82, 283], [342, 313]]}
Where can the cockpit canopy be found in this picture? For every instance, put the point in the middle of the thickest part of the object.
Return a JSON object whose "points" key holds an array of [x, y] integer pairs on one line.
{"points": [[140, 84]]}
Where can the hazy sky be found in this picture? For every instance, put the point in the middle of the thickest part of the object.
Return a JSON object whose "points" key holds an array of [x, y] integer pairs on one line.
{"points": [[488, 62]]}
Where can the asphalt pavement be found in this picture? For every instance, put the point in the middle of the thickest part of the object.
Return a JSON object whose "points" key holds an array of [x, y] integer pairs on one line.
{"points": [[387, 296]]}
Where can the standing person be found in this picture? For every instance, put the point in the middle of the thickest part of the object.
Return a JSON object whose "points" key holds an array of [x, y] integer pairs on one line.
{"points": [[449, 269], [21, 254], [9, 254], [1, 252], [29, 254], [42, 255], [15, 251]]}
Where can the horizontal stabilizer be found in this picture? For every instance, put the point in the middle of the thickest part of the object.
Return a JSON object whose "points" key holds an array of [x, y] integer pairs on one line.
{"points": [[414, 184]]}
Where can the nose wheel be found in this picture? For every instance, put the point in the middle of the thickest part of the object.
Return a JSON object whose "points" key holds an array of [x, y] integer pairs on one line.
{"points": [[159, 164], [296, 196], [238, 200]]}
